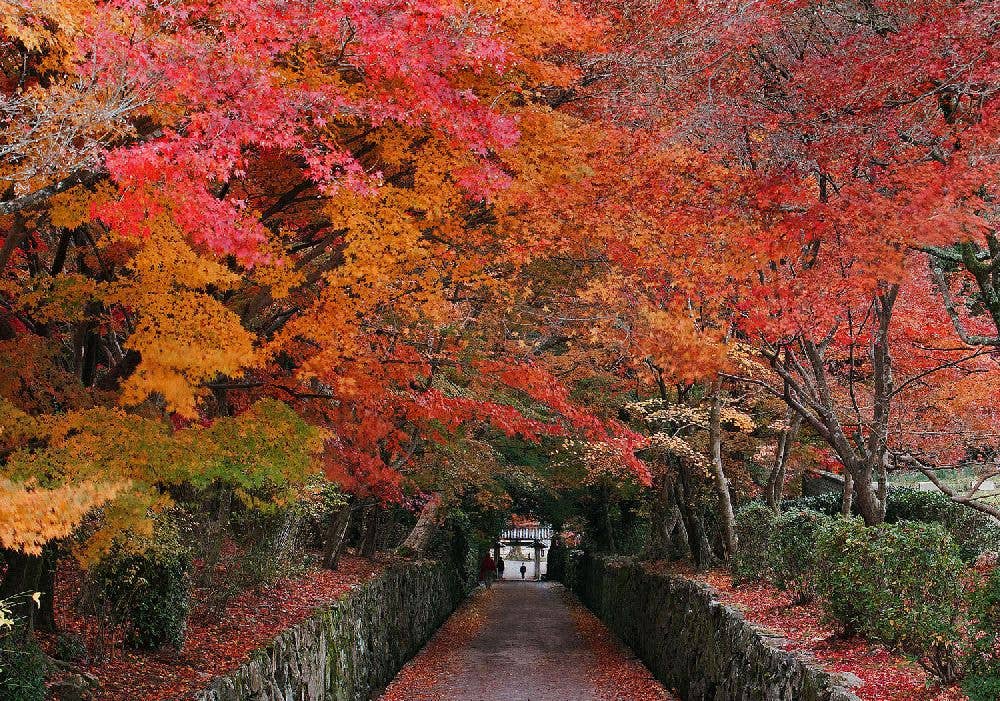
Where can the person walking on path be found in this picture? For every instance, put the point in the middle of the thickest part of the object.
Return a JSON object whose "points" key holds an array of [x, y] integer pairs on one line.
{"points": [[500, 565], [487, 571], [524, 568]]}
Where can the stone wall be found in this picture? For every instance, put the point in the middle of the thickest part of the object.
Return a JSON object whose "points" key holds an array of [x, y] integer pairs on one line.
{"points": [[816, 482], [352, 649], [701, 648]]}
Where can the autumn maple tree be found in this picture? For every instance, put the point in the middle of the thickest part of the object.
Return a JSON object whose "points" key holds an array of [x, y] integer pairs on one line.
{"points": [[856, 140], [345, 255], [235, 224]]}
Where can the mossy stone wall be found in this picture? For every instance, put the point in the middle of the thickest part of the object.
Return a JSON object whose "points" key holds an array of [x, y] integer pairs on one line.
{"points": [[701, 648], [350, 650]]}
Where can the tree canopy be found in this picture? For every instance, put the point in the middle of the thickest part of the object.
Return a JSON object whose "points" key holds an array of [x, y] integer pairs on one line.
{"points": [[251, 242]]}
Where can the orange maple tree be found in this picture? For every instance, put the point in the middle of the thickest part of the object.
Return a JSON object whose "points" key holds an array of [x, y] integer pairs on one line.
{"points": [[252, 242]]}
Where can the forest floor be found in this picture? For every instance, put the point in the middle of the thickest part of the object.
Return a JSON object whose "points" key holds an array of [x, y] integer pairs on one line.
{"points": [[220, 636], [525, 641], [884, 674]]}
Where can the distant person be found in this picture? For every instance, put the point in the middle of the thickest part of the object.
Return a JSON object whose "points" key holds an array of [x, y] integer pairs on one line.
{"points": [[524, 568], [500, 565], [487, 571]]}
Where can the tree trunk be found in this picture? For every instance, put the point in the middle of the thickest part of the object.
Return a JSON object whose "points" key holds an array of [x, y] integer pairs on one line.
{"points": [[808, 389], [726, 516], [882, 375], [663, 521], [776, 480], [334, 540], [420, 537], [694, 529], [369, 542], [677, 539], [46, 616], [24, 577], [848, 501], [219, 529], [869, 504], [607, 526]]}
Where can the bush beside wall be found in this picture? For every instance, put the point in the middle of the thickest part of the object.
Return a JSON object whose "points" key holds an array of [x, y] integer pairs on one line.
{"points": [[895, 583], [973, 532], [983, 666]]}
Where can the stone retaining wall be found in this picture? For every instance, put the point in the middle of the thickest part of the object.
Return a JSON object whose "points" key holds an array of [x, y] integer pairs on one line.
{"points": [[701, 648], [352, 649]]}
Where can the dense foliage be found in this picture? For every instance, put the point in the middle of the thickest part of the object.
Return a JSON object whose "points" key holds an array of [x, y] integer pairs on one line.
{"points": [[983, 665], [756, 527], [903, 584], [975, 533], [797, 558], [292, 276], [898, 584], [145, 589], [23, 668]]}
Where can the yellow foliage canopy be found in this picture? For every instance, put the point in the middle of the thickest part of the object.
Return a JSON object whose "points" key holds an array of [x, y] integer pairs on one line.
{"points": [[33, 516]]}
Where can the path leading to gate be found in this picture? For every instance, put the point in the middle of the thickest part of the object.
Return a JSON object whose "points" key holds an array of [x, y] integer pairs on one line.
{"points": [[524, 641]]}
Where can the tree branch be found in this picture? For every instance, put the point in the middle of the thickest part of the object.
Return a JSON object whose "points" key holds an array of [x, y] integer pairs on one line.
{"points": [[38, 197]]}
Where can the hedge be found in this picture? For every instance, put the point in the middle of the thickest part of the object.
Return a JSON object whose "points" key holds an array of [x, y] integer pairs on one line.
{"points": [[895, 583], [973, 532]]}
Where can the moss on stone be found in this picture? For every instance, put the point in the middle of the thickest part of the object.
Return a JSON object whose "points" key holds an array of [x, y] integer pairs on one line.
{"points": [[350, 650]]}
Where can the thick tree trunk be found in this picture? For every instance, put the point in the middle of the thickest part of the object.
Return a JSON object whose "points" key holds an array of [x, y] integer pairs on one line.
{"points": [[46, 615], [369, 541], [335, 533], [607, 526], [726, 516], [677, 539], [871, 508], [663, 521], [694, 529], [864, 453], [23, 578], [420, 537]]}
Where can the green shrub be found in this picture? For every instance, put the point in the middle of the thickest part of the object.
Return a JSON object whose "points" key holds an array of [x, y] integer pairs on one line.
{"points": [[793, 551], [895, 583], [457, 542], [828, 503], [145, 588], [982, 688], [70, 648], [755, 526], [972, 531], [22, 667], [983, 663], [573, 569], [269, 545]]}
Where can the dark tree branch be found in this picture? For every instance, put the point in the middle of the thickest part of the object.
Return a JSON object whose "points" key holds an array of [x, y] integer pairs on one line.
{"points": [[38, 197]]}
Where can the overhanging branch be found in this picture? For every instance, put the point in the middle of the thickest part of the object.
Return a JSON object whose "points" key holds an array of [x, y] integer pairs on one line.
{"points": [[38, 197]]}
